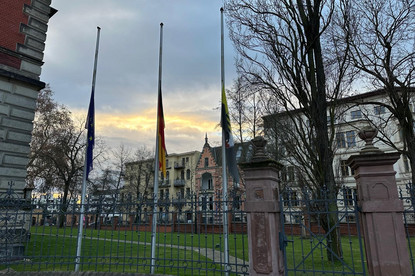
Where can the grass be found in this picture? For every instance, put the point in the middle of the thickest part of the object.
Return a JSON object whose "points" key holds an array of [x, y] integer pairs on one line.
{"points": [[309, 256], [52, 248]]}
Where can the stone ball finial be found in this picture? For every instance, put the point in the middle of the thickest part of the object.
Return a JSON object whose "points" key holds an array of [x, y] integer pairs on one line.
{"points": [[367, 134], [259, 144]]}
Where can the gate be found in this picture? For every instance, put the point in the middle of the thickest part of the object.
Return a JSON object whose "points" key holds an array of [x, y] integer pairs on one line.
{"points": [[320, 235]]}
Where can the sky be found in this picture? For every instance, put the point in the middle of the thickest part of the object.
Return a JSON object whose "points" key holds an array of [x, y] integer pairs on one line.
{"points": [[127, 72]]}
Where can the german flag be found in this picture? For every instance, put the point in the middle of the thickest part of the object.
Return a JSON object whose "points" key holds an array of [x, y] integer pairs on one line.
{"points": [[160, 136]]}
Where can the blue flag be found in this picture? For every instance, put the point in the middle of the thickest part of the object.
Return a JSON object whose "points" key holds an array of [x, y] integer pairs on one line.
{"points": [[90, 125]]}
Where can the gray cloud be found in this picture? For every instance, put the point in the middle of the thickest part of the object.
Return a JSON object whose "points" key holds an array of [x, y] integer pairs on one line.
{"points": [[128, 57]]}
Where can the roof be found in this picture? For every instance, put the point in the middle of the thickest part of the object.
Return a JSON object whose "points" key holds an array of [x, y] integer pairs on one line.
{"points": [[242, 151], [350, 99]]}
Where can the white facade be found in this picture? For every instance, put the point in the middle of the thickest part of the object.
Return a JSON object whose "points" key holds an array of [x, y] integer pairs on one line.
{"points": [[352, 114]]}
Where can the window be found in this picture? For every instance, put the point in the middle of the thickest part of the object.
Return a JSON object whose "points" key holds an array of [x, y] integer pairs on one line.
{"points": [[187, 159], [379, 110], [344, 169], [283, 174], [187, 191], [348, 194], [206, 162], [291, 198], [167, 175], [183, 161], [340, 141], [188, 174], [290, 174], [329, 120], [167, 163], [346, 139], [356, 114], [182, 175], [351, 139], [405, 164]]}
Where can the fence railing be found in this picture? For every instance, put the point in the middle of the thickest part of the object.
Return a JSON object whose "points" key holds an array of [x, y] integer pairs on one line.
{"points": [[319, 234], [407, 195], [41, 235]]}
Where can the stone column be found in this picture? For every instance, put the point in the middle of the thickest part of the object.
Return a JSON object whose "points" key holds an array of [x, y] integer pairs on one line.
{"points": [[261, 181], [380, 209]]}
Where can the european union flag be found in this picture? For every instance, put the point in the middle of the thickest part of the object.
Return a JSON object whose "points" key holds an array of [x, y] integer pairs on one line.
{"points": [[90, 125]]}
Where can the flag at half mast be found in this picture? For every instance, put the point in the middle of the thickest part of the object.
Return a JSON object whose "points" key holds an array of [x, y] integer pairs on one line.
{"points": [[90, 126], [160, 135], [229, 143]]}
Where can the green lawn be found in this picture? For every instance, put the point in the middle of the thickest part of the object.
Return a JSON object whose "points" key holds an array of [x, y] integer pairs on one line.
{"points": [[310, 254], [51, 248]]}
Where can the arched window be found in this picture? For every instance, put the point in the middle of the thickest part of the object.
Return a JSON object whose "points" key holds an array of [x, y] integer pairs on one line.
{"points": [[207, 181]]}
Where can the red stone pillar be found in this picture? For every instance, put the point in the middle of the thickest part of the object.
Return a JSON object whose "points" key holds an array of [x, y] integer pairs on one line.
{"points": [[261, 181], [380, 209]]}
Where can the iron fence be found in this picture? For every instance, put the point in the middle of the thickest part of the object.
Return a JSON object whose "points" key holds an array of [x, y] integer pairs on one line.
{"points": [[41, 234], [407, 195], [320, 233]]}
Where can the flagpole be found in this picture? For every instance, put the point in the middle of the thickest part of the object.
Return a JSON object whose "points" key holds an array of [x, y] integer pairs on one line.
{"points": [[224, 175], [156, 168], [85, 176]]}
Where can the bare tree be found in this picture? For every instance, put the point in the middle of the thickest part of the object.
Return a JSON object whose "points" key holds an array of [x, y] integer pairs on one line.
{"points": [[237, 107], [246, 109], [289, 51], [122, 155], [56, 160], [381, 36], [57, 148], [140, 172]]}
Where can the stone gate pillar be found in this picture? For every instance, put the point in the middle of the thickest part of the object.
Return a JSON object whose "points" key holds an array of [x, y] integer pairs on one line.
{"points": [[261, 181], [380, 209]]}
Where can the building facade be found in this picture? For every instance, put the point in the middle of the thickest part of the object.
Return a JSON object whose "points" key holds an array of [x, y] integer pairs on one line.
{"points": [[22, 42], [178, 183], [351, 115], [209, 187]]}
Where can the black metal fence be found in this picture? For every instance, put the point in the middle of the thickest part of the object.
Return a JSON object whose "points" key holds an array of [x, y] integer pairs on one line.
{"points": [[41, 234], [407, 195], [321, 234]]}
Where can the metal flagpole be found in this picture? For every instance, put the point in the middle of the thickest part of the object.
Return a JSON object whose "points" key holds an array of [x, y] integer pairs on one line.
{"points": [[224, 175], [81, 217], [156, 169]]}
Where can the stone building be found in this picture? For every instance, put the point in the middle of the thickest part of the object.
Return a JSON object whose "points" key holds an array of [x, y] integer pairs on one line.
{"points": [[351, 114], [22, 42], [179, 181], [208, 185]]}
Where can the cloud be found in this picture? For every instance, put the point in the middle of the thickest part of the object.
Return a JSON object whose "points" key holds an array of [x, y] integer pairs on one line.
{"points": [[127, 74]]}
